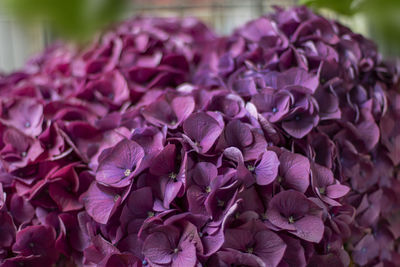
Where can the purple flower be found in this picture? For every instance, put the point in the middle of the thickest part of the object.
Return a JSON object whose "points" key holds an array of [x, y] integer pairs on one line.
{"points": [[294, 171], [169, 166], [119, 164], [100, 202], [300, 124], [26, 115], [365, 250], [203, 129], [21, 210], [139, 207], [250, 141], [293, 77], [7, 230], [255, 240], [262, 171], [294, 253], [203, 180], [36, 240], [293, 212], [169, 245], [19, 149], [170, 110], [231, 106], [274, 105], [111, 88], [327, 187], [162, 144]]}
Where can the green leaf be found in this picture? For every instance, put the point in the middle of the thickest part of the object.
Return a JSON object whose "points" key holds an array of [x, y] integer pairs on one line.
{"points": [[76, 19]]}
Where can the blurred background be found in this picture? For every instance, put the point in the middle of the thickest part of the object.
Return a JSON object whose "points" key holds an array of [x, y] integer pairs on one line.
{"points": [[28, 26]]}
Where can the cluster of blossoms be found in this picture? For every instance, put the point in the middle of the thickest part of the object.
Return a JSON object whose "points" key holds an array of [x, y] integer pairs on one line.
{"points": [[165, 145]]}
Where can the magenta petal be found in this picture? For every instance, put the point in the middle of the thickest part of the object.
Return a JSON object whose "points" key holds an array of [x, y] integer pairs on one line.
{"points": [[203, 173], [172, 189], [35, 240], [212, 243], [7, 229], [158, 249], [203, 129], [140, 201], [100, 204], [121, 161], [310, 228], [21, 210], [196, 198], [183, 106], [238, 134], [337, 190], [295, 170], [186, 257], [370, 133], [164, 162], [267, 169], [64, 199], [237, 238], [27, 116], [298, 127], [269, 247], [322, 176]]}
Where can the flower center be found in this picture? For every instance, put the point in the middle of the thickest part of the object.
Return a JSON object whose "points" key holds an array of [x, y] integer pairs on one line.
{"points": [[291, 219], [116, 197], [250, 250], [176, 250], [328, 247], [127, 172], [23, 154], [27, 124], [264, 217], [321, 190], [150, 214], [221, 203], [208, 189], [172, 175], [144, 262], [251, 168], [274, 110]]}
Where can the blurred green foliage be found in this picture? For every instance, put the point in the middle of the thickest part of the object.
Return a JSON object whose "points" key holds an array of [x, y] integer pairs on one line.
{"points": [[382, 16], [72, 19]]}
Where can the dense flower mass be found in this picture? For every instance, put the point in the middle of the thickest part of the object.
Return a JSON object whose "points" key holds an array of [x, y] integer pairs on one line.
{"points": [[162, 144]]}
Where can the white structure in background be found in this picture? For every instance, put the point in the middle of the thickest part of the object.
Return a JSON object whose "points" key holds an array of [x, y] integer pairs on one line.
{"points": [[17, 42]]}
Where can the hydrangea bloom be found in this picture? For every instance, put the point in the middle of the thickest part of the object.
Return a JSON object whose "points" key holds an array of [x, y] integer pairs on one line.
{"points": [[162, 144]]}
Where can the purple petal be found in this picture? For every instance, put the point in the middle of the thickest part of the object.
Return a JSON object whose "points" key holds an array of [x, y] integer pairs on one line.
{"points": [[295, 170], [100, 204], [267, 169], [203, 129]]}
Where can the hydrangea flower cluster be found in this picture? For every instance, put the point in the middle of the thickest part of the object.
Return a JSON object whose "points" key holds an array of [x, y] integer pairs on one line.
{"points": [[162, 144]]}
